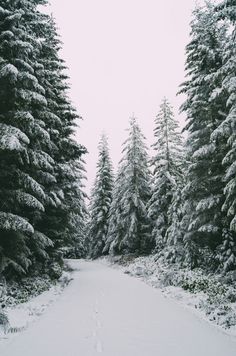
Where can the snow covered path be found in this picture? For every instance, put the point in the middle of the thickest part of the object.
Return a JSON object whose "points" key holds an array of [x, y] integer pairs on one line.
{"points": [[104, 311]]}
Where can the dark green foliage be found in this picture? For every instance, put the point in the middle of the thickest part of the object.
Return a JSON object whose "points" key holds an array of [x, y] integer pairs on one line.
{"points": [[40, 163]]}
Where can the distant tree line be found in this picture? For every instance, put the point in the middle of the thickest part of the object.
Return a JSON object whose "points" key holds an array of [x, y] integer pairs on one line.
{"points": [[180, 203]]}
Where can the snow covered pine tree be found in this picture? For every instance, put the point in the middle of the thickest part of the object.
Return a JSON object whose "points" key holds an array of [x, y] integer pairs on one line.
{"points": [[23, 137], [100, 201], [36, 121], [226, 11], [129, 226], [65, 197], [204, 221], [167, 178]]}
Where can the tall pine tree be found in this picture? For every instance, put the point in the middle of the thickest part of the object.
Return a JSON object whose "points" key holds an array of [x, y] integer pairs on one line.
{"points": [[167, 165], [38, 157], [23, 138], [63, 193], [226, 11], [129, 228], [204, 221], [100, 201]]}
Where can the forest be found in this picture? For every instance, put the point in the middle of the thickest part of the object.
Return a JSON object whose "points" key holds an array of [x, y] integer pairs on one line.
{"points": [[177, 204]]}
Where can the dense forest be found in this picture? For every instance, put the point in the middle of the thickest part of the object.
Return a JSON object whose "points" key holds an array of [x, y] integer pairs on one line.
{"points": [[178, 203]]}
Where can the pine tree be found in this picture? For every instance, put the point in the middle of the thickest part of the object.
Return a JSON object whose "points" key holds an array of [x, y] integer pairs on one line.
{"points": [[174, 247], [226, 11], [39, 159], [74, 243], [129, 230], [205, 106], [116, 228], [23, 138], [64, 191], [101, 201], [167, 175]]}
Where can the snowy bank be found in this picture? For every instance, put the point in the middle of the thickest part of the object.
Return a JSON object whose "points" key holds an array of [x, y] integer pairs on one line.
{"points": [[211, 297], [22, 306]]}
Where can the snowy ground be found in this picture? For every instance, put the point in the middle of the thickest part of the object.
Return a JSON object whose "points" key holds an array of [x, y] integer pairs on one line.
{"points": [[104, 311], [210, 297], [21, 315]]}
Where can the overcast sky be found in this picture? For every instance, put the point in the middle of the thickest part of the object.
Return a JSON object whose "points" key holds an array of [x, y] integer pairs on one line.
{"points": [[123, 57]]}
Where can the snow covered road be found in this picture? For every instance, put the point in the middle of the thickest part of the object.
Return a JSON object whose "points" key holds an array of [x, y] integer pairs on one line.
{"points": [[104, 311]]}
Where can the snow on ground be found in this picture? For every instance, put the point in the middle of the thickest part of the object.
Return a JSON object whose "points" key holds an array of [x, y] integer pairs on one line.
{"points": [[104, 311], [207, 296], [20, 316]]}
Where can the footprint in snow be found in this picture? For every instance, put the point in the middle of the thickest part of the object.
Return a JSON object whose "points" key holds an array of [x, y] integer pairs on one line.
{"points": [[99, 346], [99, 325]]}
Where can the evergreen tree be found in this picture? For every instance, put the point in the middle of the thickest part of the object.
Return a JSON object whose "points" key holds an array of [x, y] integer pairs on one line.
{"points": [[23, 138], [129, 228], [167, 175], [174, 247], [39, 159], [74, 242], [100, 201], [204, 220], [64, 192], [116, 227], [226, 11]]}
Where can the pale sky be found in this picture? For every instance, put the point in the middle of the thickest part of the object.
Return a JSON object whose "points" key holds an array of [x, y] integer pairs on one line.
{"points": [[123, 57]]}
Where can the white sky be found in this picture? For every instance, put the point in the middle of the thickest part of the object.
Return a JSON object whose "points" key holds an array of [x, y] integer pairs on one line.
{"points": [[123, 57]]}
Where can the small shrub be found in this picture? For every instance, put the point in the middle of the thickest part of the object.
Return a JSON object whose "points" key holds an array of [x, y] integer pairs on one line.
{"points": [[55, 270], [4, 323]]}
